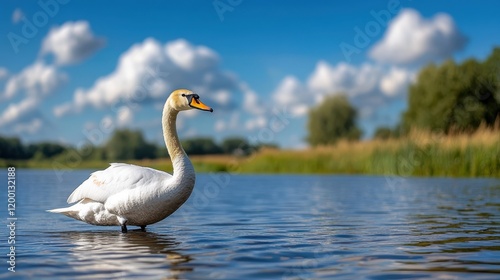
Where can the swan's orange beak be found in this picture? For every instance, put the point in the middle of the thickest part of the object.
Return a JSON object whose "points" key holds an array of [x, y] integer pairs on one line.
{"points": [[197, 104]]}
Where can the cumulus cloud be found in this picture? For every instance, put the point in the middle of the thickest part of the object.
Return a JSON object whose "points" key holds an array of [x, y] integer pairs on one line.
{"points": [[291, 94], [24, 111], [251, 102], [71, 42], [232, 122], [37, 79], [256, 123], [31, 127], [410, 38], [17, 15], [222, 97], [358, 81], [345, 78], [148, 71], [363, 84], [36, 82]]}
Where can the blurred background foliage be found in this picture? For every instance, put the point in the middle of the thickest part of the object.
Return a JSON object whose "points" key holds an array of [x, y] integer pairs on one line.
{"points": [[455, 98], [126, 144], [332, 120]]}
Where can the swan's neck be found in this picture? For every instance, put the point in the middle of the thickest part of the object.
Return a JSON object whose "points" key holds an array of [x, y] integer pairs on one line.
{"points": [[183, 169]]}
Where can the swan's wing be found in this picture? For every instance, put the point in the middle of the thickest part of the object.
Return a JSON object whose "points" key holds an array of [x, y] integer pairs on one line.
{"points": [[114, 179]]}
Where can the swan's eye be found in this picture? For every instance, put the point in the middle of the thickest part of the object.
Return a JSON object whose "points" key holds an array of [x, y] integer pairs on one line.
{"points": [[183, 94]]}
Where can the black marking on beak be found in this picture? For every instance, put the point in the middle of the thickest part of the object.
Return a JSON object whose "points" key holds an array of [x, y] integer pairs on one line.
{"points": [[196, 98]]}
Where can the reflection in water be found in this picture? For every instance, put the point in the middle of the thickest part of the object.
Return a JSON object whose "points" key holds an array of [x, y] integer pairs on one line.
{"points": [[274, 227], [455, 234], [132, 254]]}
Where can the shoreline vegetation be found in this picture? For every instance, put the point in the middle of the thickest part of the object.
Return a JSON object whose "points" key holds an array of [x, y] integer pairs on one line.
{"points": [[418, 153]]}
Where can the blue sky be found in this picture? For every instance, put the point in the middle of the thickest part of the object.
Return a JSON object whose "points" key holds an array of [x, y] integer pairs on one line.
{"points": [[72, 71]]}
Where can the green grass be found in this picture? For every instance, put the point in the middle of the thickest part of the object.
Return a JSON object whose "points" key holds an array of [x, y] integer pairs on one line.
{"points": [[419, 154], [210, 163]]}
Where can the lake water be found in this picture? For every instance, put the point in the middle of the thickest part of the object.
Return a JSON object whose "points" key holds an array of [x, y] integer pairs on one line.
{"points": [[268, 226]]}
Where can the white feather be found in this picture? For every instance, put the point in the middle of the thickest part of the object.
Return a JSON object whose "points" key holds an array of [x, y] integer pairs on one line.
{"points": [[117, 178], [126, 194]]}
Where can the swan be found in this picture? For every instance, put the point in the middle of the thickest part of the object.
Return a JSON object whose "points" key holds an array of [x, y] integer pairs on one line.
{"points": [[126, 194]]}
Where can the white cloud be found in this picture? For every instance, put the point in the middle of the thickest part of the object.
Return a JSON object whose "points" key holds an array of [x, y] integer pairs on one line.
{"points": [[256, 123], [354, 81], [4, 73], [17, 15], [71, 43], [63, 109], [20, 112], [343, 78], [31, 127], [189, 57], [251, 102], [37, 79], [148, 71], [291, 94], [410, 38], [36, 82], [222, 97], [233, 122], [123, 118], [396, 81]]}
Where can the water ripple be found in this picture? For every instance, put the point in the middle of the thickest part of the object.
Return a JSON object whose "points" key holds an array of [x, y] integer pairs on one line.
{"points": [[285, 227]]}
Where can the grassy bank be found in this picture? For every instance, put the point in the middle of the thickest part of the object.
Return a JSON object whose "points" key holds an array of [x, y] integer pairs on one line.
{"points": [[418, 154], [211, 163]]}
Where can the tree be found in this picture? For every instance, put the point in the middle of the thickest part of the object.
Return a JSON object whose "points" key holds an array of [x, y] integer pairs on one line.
{"points": [[332, 120], [128, 144], [45, 150], [12, 148], [200, 146], [236, 145], [455, 97]]}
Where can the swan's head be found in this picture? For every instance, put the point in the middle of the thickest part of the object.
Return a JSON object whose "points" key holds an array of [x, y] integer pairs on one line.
{"points": [[184, 99]]}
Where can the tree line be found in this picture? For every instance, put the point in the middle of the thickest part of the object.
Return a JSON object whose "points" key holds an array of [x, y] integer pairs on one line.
{"points": [[448, 98], [125, 144]]}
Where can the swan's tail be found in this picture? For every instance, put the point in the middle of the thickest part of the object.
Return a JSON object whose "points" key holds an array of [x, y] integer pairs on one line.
{"points": [[72, 210], [60, 210], [69, 211], [88, 211]]}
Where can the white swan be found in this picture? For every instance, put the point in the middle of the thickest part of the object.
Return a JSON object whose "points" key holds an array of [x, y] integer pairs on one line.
{"points": [[126, 194]]}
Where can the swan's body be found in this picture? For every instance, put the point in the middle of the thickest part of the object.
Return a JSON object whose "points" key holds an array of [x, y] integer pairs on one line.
{"points": [[126, 194]]}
